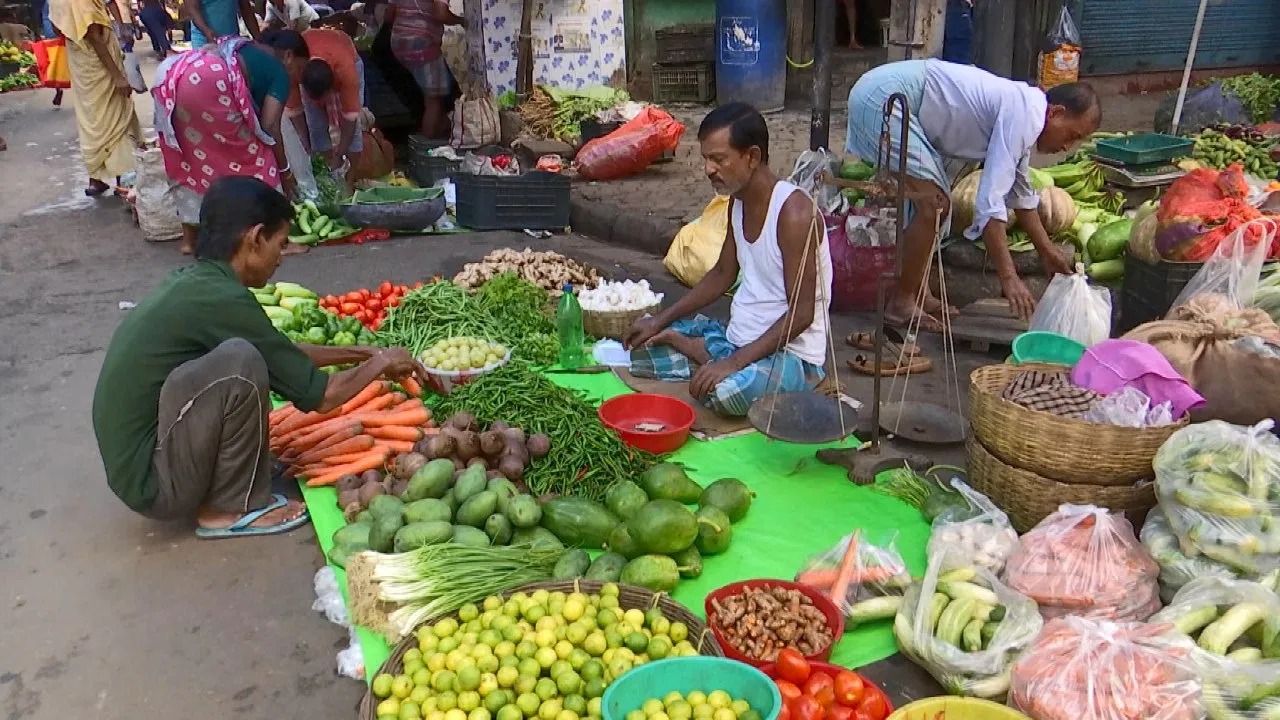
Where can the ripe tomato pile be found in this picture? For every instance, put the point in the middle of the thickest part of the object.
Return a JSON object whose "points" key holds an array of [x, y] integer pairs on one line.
{"points": [[368, 306], [817, 691]]}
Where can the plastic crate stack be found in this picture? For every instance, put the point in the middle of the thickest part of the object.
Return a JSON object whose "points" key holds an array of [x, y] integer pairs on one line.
{"points": [[685, 70]]}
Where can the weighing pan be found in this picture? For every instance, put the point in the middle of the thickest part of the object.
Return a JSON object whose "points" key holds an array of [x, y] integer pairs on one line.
{"points": [[922, 422], [803, 417]]}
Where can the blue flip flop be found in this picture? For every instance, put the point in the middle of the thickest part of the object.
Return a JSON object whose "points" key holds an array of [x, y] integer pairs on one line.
{"points": [[244, 526]]}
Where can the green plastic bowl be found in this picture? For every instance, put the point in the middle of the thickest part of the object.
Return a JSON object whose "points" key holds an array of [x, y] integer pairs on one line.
{"points": [[1038, 346], [686, 674]]}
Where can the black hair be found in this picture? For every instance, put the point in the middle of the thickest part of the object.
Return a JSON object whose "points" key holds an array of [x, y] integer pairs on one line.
{"points": [[746, 125], [1079, 99], [286, 40], [317, 78], [232, 205]]}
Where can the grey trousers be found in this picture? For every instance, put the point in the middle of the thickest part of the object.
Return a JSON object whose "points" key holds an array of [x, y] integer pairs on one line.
{"points": [[212, 449]]}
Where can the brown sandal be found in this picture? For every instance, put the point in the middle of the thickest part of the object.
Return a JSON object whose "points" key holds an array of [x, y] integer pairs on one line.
{"points": [[866, 365], [866, 341]]}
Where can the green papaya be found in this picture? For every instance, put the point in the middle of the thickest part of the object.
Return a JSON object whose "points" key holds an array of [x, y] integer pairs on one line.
{"points": [[477, 509], [624, 498], [451, 500], [663, 527], [689, 562], [523, 511], [621, 542], [498, 528], [606, 568], [578, 522], [572, 565], [470, 481], [363, 517], [536, 536], [730, 495], [385, 506], [428, 510], [467, 535], [505, 490], [668, 481], [715, 531], [658, 573], [353, 533], [383, 533], [430, 481], [340, 554], [415, 535]]}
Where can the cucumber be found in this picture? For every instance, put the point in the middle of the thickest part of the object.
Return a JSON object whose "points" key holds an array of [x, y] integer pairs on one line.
{"points": [[418, 534], [881, 608]]}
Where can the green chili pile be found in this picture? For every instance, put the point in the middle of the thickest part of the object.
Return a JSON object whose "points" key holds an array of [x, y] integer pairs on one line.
{"points": [[586, 458]]}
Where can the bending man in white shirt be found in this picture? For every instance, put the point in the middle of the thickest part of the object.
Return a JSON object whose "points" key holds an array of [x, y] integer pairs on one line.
{"points": [[776, 340], [963, 112]]}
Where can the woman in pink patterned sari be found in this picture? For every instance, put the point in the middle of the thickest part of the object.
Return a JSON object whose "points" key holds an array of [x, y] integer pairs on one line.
{"points": [[218, 111]]}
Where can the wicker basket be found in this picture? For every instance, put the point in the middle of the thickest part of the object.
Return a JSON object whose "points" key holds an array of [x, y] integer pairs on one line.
{"points": [[1055, 447], [629, 597], [613, 324], [1029, 498]]}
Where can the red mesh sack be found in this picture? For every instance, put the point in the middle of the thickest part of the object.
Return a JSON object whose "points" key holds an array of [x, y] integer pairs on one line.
{"points": [[631, 148]]}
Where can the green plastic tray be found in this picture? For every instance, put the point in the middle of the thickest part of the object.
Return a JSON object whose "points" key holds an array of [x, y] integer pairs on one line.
{"points": [[1038, 346], [686, 674], [1143, 149]]}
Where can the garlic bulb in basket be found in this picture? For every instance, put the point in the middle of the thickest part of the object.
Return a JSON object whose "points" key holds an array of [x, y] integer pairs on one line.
{"points": [[622, 296]]}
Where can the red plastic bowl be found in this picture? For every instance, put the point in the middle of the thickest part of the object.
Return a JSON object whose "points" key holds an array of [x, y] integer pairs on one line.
{"points": [[772, 671], [623, 413], [835, 620]]}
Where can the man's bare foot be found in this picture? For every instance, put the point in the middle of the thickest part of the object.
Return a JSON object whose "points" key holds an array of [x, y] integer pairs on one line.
{"points": [[295, 249], [214, 520], [693, 348], [934, 306], [186, 248], [910, 317]]}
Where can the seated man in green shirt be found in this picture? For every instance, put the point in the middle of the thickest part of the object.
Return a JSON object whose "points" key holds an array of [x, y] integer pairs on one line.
{"points": [[180, 410]]}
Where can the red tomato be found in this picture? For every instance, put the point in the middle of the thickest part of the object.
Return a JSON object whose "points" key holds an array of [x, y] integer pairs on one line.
{"points": [[874, 704], [821, 687], [328, 300], [785, 712], [861, 714], [792, 666], [384, 288], [373, 304], [417, 285], [403, 289], [393, 301], [789, 691], [350, 308], [849, 688], [352, 296], [840, 712], [361, 315], [807, 708], [364, 293]]}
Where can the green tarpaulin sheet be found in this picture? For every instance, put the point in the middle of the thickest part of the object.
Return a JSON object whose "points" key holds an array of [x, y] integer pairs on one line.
{"points": [[802, 507]]}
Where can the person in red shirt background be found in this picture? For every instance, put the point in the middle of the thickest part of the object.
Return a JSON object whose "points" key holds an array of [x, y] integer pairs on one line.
{"points": [[328, 94]]}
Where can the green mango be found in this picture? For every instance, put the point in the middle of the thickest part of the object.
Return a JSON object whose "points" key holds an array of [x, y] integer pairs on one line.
{"points": [[578, 522], [536, 536], [668, 481], [689, 562], [730, 495], [715, 530], [572, 565], [430, 481], [385, 506], [523, 511], [663, 527], [477, 509], [417, 534], [428, 510], [498, 528], [658, 573], [621, 542], [469, 482], [607, 567], [467, 535], [624, 498]]}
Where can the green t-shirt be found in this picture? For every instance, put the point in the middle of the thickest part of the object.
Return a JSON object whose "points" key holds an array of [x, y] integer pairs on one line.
{"points": [[194, 310]]}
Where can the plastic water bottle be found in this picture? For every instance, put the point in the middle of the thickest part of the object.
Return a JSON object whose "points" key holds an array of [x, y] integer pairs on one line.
{"points": [[569, 328]]}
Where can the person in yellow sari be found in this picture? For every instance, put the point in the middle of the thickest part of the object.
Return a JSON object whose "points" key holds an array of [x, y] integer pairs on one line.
{"points": [[103, 98]]}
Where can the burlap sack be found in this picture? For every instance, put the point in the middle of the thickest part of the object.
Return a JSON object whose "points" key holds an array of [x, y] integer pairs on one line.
{"points": [[1239, 385]]}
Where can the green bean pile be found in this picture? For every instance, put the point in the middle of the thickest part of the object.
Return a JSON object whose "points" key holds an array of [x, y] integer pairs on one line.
{"points": [[586, 457], [436, 312]]}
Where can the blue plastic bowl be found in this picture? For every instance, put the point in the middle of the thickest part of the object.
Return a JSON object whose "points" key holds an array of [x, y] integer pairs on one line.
{"points": [[686, 674]]}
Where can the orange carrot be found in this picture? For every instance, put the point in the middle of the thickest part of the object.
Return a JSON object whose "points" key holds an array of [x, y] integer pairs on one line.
{"points": [[345, 432], [826, 577], [322, 431], [395, 446], [411, 418], [411, 386], [381, 402], [396, 432], [351, 444], [302, 420], [410, 404], [370, 391], [840, 588], [280, 414], [371, 460], [400, 397], [332, 460]]}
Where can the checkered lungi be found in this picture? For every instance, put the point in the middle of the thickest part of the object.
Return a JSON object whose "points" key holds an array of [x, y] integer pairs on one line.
{"points": [[779, 372]]}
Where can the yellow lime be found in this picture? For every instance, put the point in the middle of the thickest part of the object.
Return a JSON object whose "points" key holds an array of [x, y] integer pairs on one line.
{"points": [[381, 685], [678, 632], [528, 703], [594, 706], [573, 609], [412, 667], [446, 701], [530, 666], [702, 711], [719, 699], [739, 707], [671, 698], [566, 714], [680, 710], [390, 706], [468, 700], [652, 707], [401, 686], [409, 710], [658, 648], [593, 688], [635, 715], [507, 676], [724, 713], [545, 689], [488, 664], [494, 701], [493, 602], [455, 714], [509, 712], [576, 633], [478, 714], [606, 617], [434, 715], [568, 682], [443, 680]]}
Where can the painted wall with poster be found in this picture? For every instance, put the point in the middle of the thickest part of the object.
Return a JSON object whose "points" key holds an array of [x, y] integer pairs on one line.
{"points": [[576, 43]]}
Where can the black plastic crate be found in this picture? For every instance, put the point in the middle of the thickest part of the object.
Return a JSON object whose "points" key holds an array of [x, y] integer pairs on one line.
{"points": [[537, 200], [686, 44], [426, 170], [593, 128], [1149, 289], [688, 83]]}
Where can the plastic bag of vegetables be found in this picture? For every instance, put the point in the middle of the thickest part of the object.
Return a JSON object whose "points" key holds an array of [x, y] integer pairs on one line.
{"points": [[1073, 308], [1176, 569], [865, 580], [1219, 486], [1084, 560], [1236, 627], [965, 628], [973, 533], [1100, 670]]}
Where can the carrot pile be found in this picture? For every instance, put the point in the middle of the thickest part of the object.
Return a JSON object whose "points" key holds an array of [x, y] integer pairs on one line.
{"points": [[363, 434], [1080, 668]]}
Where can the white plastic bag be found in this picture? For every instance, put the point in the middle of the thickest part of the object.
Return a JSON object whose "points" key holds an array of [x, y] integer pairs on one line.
{"points": [[299, 162], [1234, 270], [1239, 666], [156, 204], [1129, 407], [133, 71], [475, 122], [1073, 308], [1176, 568], [981, 537]]}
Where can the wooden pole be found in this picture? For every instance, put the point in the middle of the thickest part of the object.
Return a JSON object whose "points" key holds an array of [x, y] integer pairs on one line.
{"points": [[524, 52]]}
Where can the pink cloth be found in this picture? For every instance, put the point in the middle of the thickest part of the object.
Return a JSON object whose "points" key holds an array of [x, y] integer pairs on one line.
{"points": [[215, 131], [1114, 364]]}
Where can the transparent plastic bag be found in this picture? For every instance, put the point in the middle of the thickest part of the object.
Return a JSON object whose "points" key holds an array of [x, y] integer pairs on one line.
{"points": [[876, 574], [807, 175], [979, 537], [1082, 669], [1236, 627], [1060, 59], [1176, 568], [1129, 407], [965, 628], [1085, 560], [1234, 269], [1073, 308], [1218, 485]]}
